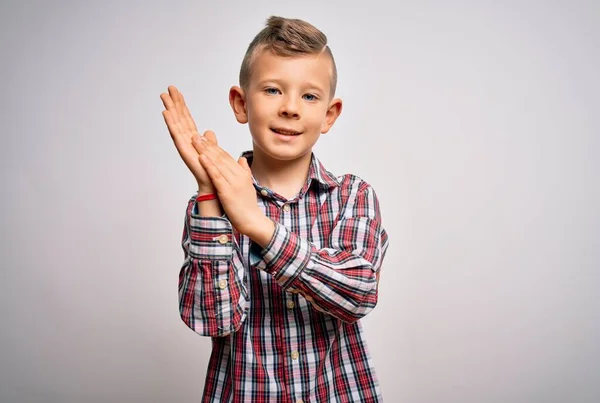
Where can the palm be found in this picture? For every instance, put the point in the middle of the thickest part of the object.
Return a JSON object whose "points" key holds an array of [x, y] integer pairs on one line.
{"points": [[183, 129]]}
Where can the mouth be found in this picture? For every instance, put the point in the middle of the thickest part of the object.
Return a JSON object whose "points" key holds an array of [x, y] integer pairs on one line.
{"points": [[286, 132]]}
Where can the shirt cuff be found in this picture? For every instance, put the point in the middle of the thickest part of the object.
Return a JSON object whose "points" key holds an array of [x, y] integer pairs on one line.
{"points": [[285, 256], [211, 238]]}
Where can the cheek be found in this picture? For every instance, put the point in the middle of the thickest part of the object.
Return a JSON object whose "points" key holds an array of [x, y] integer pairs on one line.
{"points": [[260, 111], [316, 119], [255, 116], [257, 121]]}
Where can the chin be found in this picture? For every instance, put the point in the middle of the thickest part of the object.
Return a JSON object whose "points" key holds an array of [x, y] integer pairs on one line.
{"points": [[283, 152]]}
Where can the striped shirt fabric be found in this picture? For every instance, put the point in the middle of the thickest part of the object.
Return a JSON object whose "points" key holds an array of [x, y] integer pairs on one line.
{"points": [[284, 320]]}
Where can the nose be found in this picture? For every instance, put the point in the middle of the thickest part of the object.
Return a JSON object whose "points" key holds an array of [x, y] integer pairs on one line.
{"points": [[289, 107]]}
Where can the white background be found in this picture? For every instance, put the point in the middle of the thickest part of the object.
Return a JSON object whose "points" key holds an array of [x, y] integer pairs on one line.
{"points": [[476, 123]]}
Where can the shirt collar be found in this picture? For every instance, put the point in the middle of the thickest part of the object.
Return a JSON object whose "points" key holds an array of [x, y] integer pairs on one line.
{"points": [[316, 171]]}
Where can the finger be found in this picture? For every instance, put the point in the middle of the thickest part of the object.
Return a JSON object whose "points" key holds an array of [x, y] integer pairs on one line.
{"points": [[188, 121], [214, 172], [168, 120], [170, 106], [172, 123], [224, 161], [243, 162], [167, 101], [185, 123], [173, 103], [218, 154], [211, 136], [186, 117], [176, 97]]}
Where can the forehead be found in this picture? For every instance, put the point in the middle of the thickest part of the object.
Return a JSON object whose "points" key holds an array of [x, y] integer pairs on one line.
{"points": [[309, 68]]}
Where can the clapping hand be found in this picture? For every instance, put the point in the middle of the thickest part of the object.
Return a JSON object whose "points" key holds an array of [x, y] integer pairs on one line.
{"points": [[216, 171], [235, 189], [183, 131]]}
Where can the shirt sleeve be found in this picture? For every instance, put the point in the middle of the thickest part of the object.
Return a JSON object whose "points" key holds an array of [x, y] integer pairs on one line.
{"points": [[342, 279], [213, 298]]}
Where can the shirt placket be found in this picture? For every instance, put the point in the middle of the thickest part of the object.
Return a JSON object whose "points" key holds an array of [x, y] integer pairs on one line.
{"points": [[291, 349], [286, 341]]}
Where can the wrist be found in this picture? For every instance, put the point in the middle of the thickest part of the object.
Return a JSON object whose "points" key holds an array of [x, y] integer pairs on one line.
{"points": [[261, 231], [206, 197], [204, 190], [209, 208]]}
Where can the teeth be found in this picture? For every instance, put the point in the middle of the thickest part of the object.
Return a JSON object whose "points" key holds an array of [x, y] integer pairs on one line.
{"points": [[285, 132]]}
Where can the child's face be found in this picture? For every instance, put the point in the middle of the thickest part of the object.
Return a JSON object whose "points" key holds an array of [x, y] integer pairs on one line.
{"points": [[288, 103]]}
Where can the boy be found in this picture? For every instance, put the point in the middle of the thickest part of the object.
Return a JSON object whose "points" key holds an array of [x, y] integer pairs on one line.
{"points": [[282, 258]]}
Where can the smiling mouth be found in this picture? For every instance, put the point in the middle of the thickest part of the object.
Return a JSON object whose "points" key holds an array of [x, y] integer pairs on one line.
{"points": [[286, 132]]}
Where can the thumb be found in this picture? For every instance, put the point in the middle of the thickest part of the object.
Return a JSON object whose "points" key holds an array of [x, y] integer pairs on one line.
{"points": [[244, 163], [210, 135]]}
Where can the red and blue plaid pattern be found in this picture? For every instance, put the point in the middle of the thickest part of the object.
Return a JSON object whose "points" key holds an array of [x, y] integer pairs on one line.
{"points": [[284, 319]]}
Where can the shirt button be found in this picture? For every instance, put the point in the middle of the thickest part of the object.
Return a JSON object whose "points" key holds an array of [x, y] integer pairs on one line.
{"points": [[223, 239], [222, 284], [286, 207], [295, 355], [264, 192], [290, 304]]}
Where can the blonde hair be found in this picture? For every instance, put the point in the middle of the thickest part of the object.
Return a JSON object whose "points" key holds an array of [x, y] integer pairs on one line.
{"points": [[287, 37]]}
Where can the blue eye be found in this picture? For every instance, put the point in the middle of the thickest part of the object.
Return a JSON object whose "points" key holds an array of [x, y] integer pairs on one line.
{"points": [[310, 97], [271, 91]]}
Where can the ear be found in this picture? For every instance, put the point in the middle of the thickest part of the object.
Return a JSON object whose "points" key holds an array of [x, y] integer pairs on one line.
{"points": [[334, 110], [237, 101]]}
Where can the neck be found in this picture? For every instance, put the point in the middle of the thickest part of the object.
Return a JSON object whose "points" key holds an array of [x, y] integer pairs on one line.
{"points": [[283, 177]]}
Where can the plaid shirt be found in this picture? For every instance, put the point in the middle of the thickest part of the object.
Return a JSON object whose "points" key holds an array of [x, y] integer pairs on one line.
{"points": [[284, 320]]}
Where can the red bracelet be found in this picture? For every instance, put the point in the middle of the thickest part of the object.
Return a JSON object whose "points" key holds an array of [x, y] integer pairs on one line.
{"points": [[210, 196]]}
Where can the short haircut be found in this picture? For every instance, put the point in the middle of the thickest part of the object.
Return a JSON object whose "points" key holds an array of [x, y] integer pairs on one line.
{"points": [[287, 38]]}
